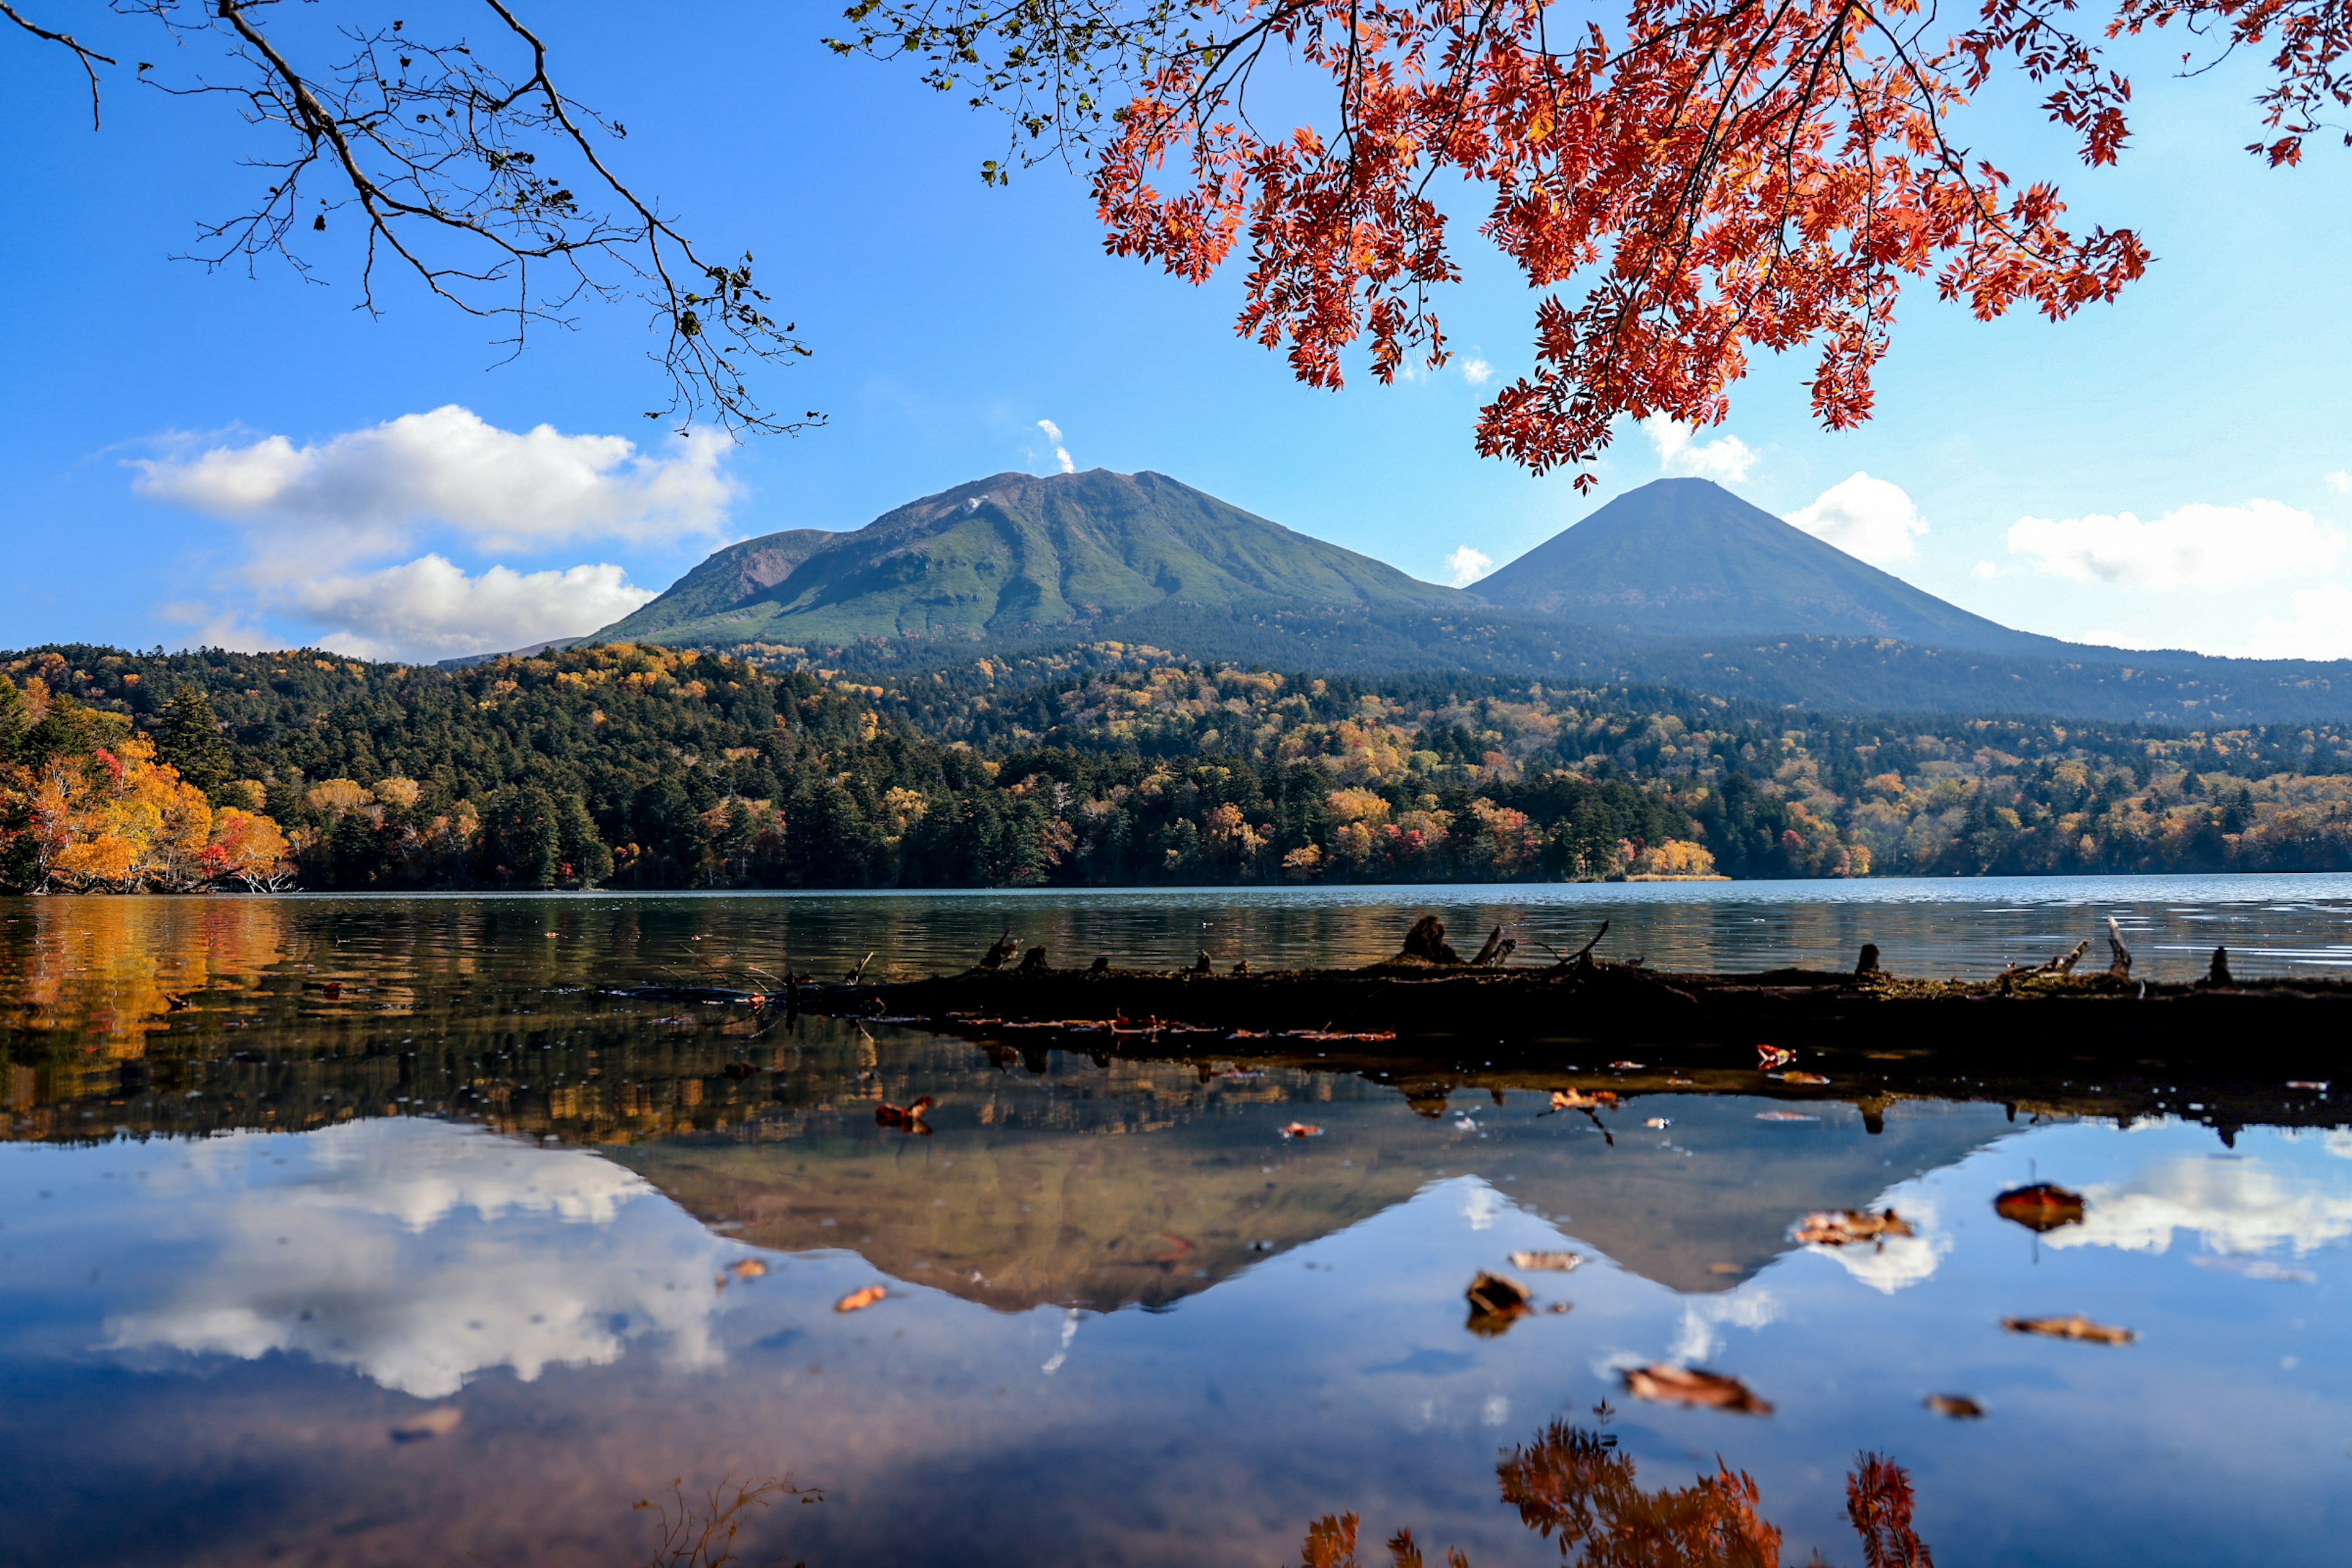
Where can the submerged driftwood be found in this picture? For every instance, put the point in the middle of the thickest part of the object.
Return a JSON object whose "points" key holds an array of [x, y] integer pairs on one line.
{"points": [[1428, 1000]]}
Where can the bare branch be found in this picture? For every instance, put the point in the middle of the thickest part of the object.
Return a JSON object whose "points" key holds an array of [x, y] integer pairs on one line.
{"points": [[481, 181], [89, 60]]}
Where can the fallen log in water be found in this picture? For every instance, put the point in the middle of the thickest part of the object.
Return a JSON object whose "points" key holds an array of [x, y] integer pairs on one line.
{"points": [[2043, 1017]]}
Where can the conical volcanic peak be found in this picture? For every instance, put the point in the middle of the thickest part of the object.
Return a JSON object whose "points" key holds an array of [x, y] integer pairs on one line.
{"points": [[1688, 558], [1018, 550]]}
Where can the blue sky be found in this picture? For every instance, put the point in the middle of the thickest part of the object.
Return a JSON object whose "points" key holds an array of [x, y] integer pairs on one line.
{"points": [[2154, 473]]}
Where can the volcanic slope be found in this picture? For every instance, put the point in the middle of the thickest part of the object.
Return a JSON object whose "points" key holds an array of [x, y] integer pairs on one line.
{"points": [[1684, 558], [1678, 584], [1015, 553]]}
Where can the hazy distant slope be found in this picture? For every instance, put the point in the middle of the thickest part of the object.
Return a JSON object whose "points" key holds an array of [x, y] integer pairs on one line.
{"points": [[1016, 552], [1688, 558]]}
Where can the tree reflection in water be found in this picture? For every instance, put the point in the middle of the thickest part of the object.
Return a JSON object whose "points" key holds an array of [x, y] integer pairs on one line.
{"points": [[1572, 1484]]}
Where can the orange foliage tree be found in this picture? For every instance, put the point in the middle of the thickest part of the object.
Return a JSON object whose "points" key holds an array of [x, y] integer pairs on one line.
{"points": [[84, 816], [1715, 176]]}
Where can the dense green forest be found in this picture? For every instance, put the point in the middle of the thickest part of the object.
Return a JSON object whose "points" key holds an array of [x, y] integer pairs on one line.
{"points": [[1115, 763]]}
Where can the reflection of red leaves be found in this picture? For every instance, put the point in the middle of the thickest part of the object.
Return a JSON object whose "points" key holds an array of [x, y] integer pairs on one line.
{"points": [[1878, 1500], [1574, 1486], [1179, 1248], [1691, 1385], [1792, 1076], [1579, 1099], [857, 1300], [2044, 1206], [1302, 1130]]}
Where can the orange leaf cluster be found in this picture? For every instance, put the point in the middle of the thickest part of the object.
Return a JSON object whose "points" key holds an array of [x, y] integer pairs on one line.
{"points": [[116, 820], [1721, 176]]}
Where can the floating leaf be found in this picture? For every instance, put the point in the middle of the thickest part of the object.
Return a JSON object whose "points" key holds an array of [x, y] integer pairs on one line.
{"points": [[1694, 1386], [2077, 1327]]}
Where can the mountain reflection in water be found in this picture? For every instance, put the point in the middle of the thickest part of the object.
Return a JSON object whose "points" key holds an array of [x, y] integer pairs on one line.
{"points": [[385, 1245]]}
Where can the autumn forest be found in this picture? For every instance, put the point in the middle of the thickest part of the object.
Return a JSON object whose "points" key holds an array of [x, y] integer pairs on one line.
{"points": [[1110, 764]]}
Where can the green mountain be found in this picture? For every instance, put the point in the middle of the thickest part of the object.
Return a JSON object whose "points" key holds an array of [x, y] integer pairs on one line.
{"points": [[1688, 558], [1015, 553], [1679, 584]]}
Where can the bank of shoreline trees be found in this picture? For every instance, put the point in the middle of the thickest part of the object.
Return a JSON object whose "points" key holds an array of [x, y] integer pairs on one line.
{"points": [[1107, 765]]}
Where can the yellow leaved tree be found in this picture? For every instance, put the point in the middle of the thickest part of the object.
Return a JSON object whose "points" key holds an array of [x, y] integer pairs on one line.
{"points": [[113, 819]]}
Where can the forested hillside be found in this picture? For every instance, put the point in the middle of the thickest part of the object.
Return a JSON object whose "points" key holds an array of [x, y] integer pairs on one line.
{"points": [[1106, 764]]}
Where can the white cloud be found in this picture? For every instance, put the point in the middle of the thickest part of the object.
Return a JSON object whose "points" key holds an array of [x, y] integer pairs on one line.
{"points": [[2319, 627], [2231, 1205], [2340, 481], [1476, 371], [2196, 545], [420, 1253], [1468, 566], [366, 492], [1873, 519], [1061, 453], [1985, 571], [428, 608], [1725, 459], [1751, 1307], [1890, 1264]]}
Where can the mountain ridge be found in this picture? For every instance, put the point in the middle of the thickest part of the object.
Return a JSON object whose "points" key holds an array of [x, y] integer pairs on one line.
{"points": [[1013, 551], [1676, 583], [1680, 557]]}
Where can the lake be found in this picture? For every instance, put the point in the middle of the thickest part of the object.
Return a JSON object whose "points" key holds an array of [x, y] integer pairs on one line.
{"points": [[379, 1231]]}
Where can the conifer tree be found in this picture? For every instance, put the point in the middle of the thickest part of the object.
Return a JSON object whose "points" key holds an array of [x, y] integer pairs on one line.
{"points": [[188, 736]]}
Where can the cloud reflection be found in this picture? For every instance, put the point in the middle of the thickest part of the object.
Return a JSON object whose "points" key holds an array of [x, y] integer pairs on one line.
{"points": [[421, 1253], [2230, 1203]]}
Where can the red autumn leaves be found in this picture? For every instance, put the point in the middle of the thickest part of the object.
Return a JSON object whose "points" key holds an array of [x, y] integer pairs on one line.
{"points": [[1726, 176]]}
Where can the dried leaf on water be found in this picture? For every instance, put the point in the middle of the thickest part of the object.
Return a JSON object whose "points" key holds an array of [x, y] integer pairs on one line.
{"points": [[2312, 1083], [1691, 1385], [858, 1300], [1837, 1227], [1958, 1407], [1558, 1262], [1626, 1066], [1496, 1302], [1578, 1100], [909, 1116], [1770, 1057], [438, 1421], [1302, 1130], [1793, 1076], [2077, 1327], [1657, 1122], [746, 1268], [2044, 1206], [1498, 1292]]}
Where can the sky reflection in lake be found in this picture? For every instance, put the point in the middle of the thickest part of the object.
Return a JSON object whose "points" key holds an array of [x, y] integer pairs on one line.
{"points": [[221, 1336], [1127, 1319]]}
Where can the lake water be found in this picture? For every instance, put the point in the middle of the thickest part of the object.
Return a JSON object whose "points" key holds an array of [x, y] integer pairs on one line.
{"points": [[358, 1231]]}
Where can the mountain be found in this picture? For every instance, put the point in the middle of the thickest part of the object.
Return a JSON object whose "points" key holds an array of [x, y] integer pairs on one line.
{"points": [[1688, 558], [1015, 553], [1679, 584]]}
